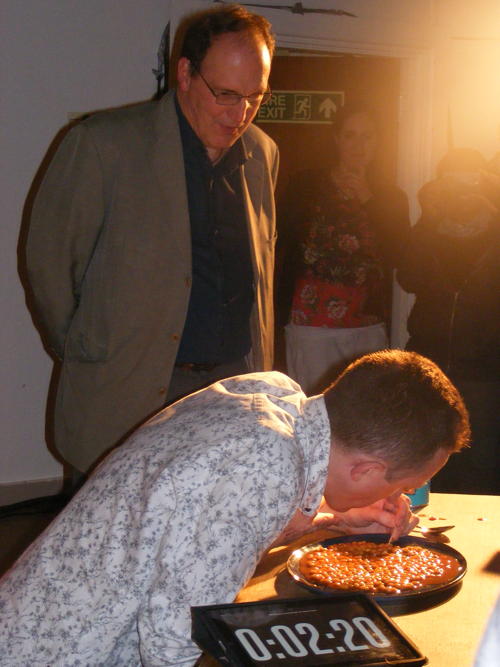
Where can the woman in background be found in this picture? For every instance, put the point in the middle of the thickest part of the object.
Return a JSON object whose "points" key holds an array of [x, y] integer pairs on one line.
{"points": [[452, 265], [341, 230]]}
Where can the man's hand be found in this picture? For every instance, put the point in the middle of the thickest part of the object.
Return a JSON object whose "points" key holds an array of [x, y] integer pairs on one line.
{"points": [[390, 515]]}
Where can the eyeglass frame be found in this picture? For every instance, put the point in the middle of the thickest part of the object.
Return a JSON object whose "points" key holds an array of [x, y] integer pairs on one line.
{"points": [[265, 96]]}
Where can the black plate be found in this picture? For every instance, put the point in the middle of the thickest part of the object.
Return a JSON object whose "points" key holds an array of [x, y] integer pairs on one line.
{"points": [[406, 602]]}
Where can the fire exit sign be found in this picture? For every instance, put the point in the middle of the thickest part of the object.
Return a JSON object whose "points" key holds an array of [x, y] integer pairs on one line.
{"points": [[301, 106]]}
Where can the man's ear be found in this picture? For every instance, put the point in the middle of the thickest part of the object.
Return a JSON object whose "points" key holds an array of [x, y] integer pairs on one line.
{"points": [[183, 74], [368, 469]]}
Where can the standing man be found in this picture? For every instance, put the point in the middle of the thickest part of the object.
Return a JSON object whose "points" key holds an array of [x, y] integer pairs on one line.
{"points": [[151, 246]]}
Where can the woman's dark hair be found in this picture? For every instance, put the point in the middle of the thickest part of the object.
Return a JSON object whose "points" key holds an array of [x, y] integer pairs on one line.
{"points": [[399, 406], [200, 29]]}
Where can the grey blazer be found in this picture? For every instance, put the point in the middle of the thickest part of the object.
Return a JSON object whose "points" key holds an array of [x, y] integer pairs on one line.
{"points": [[109, 263]]}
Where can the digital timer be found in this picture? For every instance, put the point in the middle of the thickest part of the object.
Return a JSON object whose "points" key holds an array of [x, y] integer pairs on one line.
{"points": [[303, 639], [342, 630]]}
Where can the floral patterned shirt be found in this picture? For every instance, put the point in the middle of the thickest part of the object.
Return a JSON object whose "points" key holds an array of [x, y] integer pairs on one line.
{"points": [[341, 267], [177, 516]]}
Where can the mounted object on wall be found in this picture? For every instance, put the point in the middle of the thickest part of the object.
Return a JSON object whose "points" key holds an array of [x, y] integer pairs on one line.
{"points": [[162, 71], [297, 8]]}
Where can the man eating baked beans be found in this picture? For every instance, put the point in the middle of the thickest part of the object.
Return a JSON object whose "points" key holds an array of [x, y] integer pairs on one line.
{"points": [[181, 513]]}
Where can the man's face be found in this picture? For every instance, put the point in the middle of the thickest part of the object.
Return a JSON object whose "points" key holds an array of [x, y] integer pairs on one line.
{"points": [[236, 63], [357, 480]]}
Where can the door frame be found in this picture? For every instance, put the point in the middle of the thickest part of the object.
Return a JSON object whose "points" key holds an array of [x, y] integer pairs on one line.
{"points": [[414, 134]]}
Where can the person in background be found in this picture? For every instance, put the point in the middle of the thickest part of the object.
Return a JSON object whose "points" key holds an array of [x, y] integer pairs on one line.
{"points": [[452, 265], [151, 247], [340, 230], [181, 513]]}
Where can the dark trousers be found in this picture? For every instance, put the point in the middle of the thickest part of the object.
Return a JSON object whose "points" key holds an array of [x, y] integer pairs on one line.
{"points": [[185, 380], [476, 469]]}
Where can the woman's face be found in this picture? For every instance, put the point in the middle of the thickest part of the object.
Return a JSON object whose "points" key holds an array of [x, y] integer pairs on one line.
{"points": [[356, 142]]}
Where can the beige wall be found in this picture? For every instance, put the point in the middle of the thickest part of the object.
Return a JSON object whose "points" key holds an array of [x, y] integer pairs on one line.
{"points": [[57, 56], [64, 56], [467, 74]]}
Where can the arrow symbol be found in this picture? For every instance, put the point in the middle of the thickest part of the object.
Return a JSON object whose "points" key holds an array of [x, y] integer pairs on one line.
{"points": [[327, 108]]}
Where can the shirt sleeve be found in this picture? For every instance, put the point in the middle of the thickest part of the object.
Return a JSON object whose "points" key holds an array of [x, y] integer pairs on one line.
{"points": [[211, 562], [218, 536], [210, 570]]}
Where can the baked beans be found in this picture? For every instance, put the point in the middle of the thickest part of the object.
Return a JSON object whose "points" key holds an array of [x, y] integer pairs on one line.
{"points": [[377, 568]]}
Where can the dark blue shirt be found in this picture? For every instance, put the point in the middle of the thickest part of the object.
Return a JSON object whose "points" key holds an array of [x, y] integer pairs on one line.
{"points": [[217, 327]]}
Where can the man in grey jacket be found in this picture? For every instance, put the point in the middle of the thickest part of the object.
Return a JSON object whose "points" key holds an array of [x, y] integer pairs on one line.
{"points": [[151, 247]]}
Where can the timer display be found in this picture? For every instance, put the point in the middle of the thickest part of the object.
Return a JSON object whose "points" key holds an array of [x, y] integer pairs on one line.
{"points": [[303, 639], [346, 630]]}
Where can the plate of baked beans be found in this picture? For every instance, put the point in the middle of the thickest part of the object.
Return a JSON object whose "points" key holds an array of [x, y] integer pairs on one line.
{"points": [[407, 575]]}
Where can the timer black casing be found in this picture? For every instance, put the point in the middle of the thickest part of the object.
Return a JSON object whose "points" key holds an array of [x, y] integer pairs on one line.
{"points": [[345, 629]]}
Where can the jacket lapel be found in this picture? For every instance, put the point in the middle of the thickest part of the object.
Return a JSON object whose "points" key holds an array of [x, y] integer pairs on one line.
{"points": [[168, 168], [252, 179]]}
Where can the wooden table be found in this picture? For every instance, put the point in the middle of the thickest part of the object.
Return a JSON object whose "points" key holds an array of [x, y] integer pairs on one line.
{"points": [[447, 634]]}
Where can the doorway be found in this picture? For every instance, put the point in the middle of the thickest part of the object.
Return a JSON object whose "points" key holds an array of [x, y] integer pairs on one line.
{"points": [[308, 87], [304, 139]]}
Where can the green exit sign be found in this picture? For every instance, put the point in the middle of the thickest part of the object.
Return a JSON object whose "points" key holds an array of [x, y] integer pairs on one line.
{"points": [[301, 106]]}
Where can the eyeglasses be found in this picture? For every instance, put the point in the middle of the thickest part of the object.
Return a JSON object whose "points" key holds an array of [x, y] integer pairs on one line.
{"points": [[232, 99]]}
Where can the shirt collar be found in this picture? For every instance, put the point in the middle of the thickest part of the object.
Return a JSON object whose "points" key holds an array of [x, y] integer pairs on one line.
{"points": [[314, 434]]}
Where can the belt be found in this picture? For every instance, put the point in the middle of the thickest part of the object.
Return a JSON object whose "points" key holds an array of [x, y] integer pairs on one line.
{"points": [[196, 368]]}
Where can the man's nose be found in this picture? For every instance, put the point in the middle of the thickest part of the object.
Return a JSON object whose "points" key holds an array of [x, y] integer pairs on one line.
{"points": [[240, 111]]}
